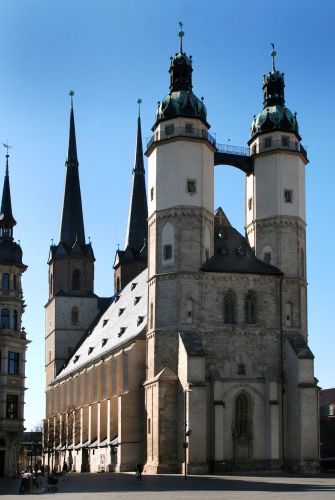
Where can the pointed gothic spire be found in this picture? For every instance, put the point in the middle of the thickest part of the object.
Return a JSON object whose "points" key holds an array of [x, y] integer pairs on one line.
{"points": [[137, 231], [7, 221], [72, 225]]}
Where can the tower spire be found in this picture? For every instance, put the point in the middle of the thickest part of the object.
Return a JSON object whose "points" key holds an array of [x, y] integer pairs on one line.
{"points": [[72, 225], [273, 55], [181, 35], [136, 235], [7, 221]]}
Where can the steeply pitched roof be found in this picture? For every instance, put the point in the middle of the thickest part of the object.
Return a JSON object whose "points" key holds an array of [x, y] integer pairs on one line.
{"points": [[125, 319], [72, 225], [6, 216], [232, 252], [137, 228]]}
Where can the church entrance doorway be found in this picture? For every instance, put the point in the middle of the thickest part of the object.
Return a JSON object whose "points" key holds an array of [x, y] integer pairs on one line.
{"points": [[2, 462]]}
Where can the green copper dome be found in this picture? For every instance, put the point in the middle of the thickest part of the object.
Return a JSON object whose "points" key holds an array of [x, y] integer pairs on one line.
{"points": [[181, 103], [274, 118]]}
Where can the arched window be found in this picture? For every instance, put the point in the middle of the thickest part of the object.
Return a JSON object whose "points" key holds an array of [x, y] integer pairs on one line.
{"points": [[118, 284], [76, 279], [267, 254], [190, 311], [289, 314], [15, 322], [229, 308], [168, 244], [302, 263], [2, 443], [74, 315], [250, 308], [242, 415], [5, 318], [51, 284], [5, 281], [207, 243], [14, 281]]}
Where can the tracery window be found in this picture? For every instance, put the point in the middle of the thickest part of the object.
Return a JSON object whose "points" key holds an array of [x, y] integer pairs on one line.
{"points": [[250, 308], [229, 308], [242, 415]]}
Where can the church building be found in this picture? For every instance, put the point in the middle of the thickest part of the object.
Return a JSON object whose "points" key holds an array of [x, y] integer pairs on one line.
{"points": [[199, 361]]}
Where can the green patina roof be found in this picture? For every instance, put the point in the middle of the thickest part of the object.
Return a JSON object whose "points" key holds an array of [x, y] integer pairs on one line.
{"points": [[274, 118], [181, 103]]}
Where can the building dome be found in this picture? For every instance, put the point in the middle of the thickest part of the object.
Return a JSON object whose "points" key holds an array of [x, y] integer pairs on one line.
{"points": [[181, 103], [274, 118], [10, 252]]}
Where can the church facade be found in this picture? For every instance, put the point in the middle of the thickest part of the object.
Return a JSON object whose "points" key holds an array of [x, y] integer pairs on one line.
{"points": [[199, 361], [13, 338]]}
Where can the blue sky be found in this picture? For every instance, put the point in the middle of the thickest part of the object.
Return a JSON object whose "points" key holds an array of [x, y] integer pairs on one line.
{"points": [[111, 53]]}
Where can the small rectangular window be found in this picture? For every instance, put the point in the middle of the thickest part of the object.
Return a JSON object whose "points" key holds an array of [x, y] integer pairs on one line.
{"points": [[288, 195], [13, 363], [268, 142], [151, 194], [167, 252], [285, 141], [189, 128], [149, 426], [250, 203], [169, 129], [191, 186]]}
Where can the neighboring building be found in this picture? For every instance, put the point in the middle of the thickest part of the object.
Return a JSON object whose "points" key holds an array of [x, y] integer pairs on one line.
{"points": [[30, 451], [327, 428], [13, 338], [201, 360]]}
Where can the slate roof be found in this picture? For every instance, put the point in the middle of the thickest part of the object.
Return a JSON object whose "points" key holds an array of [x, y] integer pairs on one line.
{"points": [[124, 320], [299, 345], [232, 252], [137, 228], [72, 225]]}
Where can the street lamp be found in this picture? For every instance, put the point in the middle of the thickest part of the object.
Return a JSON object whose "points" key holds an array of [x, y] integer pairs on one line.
{"points": [[187, 432]]}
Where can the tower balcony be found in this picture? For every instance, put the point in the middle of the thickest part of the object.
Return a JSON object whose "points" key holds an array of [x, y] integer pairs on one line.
{"points": [[270, 144], [189, 131]]}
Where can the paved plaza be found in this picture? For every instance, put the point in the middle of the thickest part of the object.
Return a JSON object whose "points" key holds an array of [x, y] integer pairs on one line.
{"points": [[173, 487]]}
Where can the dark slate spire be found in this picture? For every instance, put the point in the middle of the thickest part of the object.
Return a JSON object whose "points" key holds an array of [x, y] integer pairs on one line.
{"points": [[72, 226], [7, 221], [137, 230]]}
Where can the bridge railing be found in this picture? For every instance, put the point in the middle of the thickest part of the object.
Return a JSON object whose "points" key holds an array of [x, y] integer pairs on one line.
{"points": [[233, 150]]}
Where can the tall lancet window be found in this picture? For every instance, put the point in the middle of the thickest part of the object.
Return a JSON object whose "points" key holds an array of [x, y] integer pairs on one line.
{"points": [[229, 306], [242, 415], [5, 281], [76, 280], [168, 244], [250, 308], [190, 311]]}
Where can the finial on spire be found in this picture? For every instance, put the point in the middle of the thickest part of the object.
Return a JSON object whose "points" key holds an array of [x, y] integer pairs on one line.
{"points": [[71, 94], [7, 146], [181, 35], [273, 55], [139, 102]]}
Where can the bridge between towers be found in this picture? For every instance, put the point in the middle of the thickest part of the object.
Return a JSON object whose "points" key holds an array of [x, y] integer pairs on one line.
{"points": [[235, 156]]}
